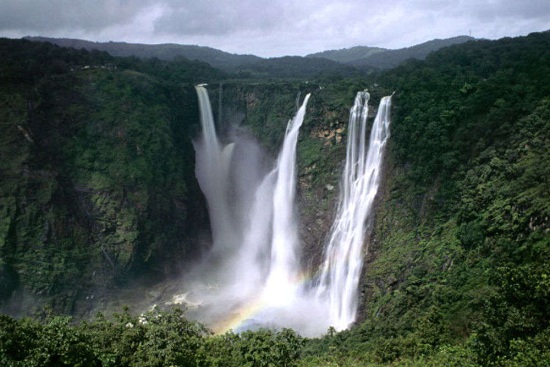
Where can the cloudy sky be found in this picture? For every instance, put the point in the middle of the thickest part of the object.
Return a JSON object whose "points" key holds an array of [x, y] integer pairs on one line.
{"points": [[273, 27]]}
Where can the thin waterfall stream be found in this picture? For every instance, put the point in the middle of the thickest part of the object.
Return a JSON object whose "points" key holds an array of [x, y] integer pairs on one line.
{"points": [[343, 260]]}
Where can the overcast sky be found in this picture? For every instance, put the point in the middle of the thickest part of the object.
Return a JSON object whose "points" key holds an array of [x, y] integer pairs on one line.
{"points": [[273, 27]]}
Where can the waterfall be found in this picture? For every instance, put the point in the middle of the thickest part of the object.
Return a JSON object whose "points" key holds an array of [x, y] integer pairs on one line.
{"points": [[285, 265], [212, 172], [343, 260], [251, 205], [252, 276]]}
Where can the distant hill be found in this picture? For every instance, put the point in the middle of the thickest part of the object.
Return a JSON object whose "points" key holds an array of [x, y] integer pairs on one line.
{"points": [[342, 61], [244, 65], [296, 67], [347, 55], [167, 51], [391, 58], [381, 58]]}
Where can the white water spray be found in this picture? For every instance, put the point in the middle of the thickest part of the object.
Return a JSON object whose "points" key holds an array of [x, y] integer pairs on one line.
{"points": [[285, 264], [252, 214], [344, 252], [212, 171]]}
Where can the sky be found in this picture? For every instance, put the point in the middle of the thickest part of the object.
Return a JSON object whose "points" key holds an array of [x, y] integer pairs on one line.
{"points": [[271, 28]]}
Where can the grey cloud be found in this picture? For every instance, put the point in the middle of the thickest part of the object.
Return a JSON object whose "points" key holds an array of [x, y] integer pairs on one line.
{"points": [[273, 27], [484, 11], [219, 17], [51, 15], [527, 9]]}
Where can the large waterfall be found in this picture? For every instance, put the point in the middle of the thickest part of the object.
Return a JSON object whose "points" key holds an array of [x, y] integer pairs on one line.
{"points": [[252, 274]]}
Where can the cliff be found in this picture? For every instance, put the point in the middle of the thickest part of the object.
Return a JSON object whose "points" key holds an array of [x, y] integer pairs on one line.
{"points": [[98, 183]]}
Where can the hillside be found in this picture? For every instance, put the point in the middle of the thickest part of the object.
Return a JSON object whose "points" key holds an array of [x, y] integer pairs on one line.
{"points": [[241, 66], [253, 66], [459, 254], [166, 52], [348, 55], [391, 58], [380, 58], [295, 67], [96, 153]]}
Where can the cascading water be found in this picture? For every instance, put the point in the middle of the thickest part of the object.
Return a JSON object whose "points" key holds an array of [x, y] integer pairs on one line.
{"points": [[343, 254], [253, 274], [212, 173], [284, 264], [229, 191]]}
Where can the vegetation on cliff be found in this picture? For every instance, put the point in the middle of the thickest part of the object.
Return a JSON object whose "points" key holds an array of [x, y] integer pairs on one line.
{"points": [[97, 172], [460, 250]]}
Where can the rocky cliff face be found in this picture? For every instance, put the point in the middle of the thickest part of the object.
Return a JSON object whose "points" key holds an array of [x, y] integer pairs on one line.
{"points": [[97, 187]]}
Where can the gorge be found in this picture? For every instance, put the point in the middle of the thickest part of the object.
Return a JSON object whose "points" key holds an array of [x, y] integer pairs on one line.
{"points": [[103, 205]]}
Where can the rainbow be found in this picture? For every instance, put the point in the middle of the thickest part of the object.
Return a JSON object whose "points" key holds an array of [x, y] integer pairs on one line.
{"points": [[248, 310], [237, 317]]}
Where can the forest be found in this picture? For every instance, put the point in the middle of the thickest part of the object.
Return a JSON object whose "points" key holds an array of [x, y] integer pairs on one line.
{"points": [[98, 194]]}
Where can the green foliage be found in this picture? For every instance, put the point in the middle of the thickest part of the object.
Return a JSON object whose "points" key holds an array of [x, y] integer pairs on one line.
{"points": [[221, 351], [97, 170], [28, 343], [266, 348], [440, 124], [156, 338]]}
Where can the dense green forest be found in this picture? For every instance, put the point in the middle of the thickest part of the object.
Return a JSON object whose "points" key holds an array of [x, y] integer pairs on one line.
{"points": [[460, 251], [458, 268], [96, 154]]}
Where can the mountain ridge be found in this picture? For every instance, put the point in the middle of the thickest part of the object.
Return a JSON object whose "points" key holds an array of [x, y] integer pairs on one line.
{"points": [[164, 51], [346, 55], [361, 57], [382, 58], [392, 58]]}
